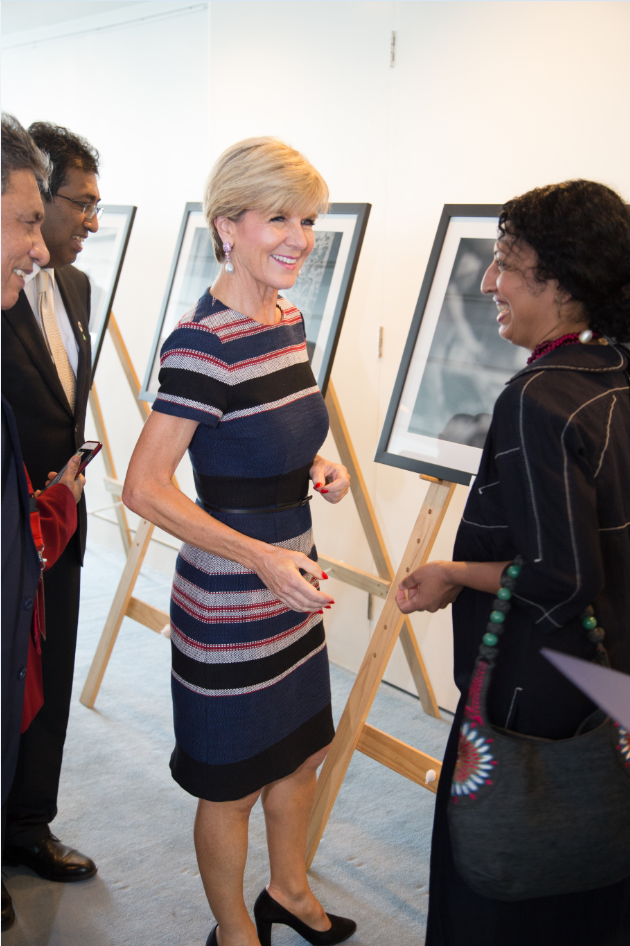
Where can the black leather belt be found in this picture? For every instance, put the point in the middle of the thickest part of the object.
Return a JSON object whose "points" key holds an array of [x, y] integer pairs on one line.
{"points": [[248, 510]]}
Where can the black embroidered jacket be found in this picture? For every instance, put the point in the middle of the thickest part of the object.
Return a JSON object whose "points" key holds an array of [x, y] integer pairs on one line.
{"points": [[554, 486]]}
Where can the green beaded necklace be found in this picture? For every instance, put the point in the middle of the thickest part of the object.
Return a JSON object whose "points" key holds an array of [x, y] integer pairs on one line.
{"points": [[501, 607]]}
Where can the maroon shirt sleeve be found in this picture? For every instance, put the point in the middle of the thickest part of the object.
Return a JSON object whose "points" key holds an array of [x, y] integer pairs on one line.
{"points": [[58, 517]]}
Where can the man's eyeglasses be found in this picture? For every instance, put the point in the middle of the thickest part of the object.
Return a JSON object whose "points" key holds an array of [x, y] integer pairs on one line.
{"points": [[88, 210]]}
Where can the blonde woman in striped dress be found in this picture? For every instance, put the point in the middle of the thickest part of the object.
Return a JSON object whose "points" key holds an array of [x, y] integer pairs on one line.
{"points": [[250, 678]]}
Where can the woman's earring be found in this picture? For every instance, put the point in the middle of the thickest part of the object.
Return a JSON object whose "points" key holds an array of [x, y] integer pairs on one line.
{"points": [[585, 336], [229, 265]]}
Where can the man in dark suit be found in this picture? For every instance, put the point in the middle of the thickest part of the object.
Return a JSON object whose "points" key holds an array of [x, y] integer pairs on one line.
{"points": [[22, 246], [46, 365]]}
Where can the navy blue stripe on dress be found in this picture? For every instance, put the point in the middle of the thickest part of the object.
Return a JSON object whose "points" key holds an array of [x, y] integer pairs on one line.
{"points": [[250, 679]]}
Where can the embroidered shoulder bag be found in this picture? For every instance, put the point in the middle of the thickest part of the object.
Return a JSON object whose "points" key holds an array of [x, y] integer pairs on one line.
{"points": [[532, 817]]}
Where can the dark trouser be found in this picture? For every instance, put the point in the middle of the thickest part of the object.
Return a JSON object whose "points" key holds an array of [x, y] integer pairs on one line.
{"points": [[32, 802]]}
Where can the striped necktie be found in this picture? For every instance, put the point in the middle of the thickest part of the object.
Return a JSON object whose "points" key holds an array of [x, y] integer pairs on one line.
{"points": [[50, 329]]}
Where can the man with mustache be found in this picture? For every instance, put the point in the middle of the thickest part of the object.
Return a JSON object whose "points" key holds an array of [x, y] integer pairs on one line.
{"points": [[46, 366]]}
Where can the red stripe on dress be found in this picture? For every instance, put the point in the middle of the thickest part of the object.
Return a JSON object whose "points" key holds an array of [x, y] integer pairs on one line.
{"points": [[243, 645], [237, 366], [229, 614]]}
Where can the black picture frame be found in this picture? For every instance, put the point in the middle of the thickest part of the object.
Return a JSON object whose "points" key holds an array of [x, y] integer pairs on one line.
{"points": [[101, 259], [454, 364], [321, 293]]}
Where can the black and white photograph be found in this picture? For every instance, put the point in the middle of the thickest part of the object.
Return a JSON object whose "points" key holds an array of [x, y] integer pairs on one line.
{"points": [[102, 260], [321, 291], [455, 363]]}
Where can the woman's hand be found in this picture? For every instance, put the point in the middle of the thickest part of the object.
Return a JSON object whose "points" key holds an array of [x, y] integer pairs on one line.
{"points": [[149, 492], [279, 568], [437, 584], [70, 479], [429, 588], [331, 480]]}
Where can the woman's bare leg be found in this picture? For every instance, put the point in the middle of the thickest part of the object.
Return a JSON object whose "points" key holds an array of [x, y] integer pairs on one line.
{"points": [[287, 805], [221, 844]]}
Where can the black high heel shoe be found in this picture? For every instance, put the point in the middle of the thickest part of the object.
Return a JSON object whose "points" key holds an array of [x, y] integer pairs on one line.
{"points": [[212, 936], [268, 911]]}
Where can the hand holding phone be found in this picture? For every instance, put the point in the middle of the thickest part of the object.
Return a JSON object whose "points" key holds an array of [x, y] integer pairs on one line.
{"points": [[87, 453], [70, 477]]}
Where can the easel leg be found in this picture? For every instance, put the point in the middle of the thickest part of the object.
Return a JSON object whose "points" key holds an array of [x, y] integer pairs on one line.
{"points": [[418, 669], [136, 550], [110, 469], [358, 487], [127, 366], [373, 667], [351, 724], [117, 612], [378, 548]]}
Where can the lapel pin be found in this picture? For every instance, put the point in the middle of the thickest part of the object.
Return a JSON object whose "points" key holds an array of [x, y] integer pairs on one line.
{"points": [[82, 332]]}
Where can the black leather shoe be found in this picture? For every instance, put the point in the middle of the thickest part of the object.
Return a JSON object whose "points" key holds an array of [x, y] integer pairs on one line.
{"points": [[8, 913], [52, 860], [268, 911], [212, 937]]}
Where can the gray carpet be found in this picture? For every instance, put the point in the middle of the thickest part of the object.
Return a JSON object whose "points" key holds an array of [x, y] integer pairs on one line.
{"points": [[119, 804]]}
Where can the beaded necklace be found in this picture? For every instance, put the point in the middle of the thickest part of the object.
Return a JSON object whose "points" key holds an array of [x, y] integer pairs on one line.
{"points": [[502, 605], [573, 338]]}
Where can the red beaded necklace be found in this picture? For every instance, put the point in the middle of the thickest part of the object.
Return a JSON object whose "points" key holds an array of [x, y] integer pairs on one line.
{"points": [[573, 338]]}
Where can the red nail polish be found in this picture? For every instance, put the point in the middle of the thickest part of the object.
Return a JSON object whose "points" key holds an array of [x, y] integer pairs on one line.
{"points": [[319, 612], [323, 490], [324, 575], [317, 485], [327, 607]]}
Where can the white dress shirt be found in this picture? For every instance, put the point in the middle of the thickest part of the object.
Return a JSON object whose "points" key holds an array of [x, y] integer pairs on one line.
{"points": [[61, 316]]}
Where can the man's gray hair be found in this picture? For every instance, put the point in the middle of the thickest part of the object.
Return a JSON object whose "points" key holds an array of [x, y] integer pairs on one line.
{"points": [[20, 153]]}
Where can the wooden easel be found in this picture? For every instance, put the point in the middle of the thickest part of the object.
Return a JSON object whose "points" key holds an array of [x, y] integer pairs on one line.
{"points": [[379, 586], [111, 480], [353, 731], [135, 548], [125, 605]]}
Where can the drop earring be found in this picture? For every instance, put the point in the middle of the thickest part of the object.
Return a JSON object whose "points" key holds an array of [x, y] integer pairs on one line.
{"points": [[585, 336], [229, 265]]}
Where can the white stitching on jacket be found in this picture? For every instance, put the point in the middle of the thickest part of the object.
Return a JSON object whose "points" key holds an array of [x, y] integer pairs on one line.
{"points": [[481, 526], [601, 459], [578, 576], [529, 475], [541, 368], [535, 605]]}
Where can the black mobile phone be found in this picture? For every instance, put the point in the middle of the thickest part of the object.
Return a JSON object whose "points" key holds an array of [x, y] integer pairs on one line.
{"points": [[88, 451]]}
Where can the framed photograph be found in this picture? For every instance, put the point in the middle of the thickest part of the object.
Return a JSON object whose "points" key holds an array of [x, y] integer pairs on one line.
{"points": [[101, 260], [321, 291], [455, 364]]}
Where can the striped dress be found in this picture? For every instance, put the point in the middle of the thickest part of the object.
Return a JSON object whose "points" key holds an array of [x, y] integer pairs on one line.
{"points": [[250, 679]]}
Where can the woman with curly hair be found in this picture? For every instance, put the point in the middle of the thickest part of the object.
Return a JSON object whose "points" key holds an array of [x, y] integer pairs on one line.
{"points": [[553, 490]]}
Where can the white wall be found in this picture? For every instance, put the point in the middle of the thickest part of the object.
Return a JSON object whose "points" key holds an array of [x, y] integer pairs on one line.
{"points": [[486, 100]]}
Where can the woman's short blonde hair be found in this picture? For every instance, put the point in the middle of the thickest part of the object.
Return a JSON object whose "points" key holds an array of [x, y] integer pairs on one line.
{"points": [[263, 174]]}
